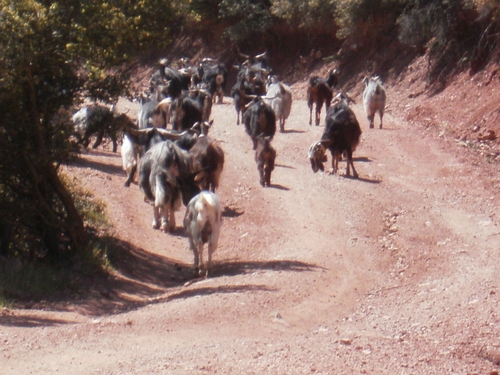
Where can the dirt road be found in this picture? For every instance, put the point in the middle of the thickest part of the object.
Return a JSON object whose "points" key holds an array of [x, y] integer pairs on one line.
{"points": [[394, 273]]}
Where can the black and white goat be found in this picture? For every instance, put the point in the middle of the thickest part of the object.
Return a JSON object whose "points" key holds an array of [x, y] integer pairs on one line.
{"points": [[102, 122], [203, 221], [164, 177], [341, 136]]}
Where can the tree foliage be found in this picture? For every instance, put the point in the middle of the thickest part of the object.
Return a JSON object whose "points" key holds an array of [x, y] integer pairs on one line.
{"points": [[310, 14], [245, 17], [52, 53]]}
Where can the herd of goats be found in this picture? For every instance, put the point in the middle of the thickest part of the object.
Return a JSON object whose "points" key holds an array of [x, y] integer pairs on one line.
{"points": [[183, 165]]}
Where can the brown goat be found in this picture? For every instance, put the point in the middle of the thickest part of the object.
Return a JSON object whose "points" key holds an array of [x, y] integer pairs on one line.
{"points": [[320, 91], [207, 157], [265, 156]]}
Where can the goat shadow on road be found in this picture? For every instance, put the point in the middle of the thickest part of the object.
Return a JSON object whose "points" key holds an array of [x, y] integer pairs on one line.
{"points": [[364, 179], [284, 166], [102, 167], [29, 321], [140, 278], [361, 159], [279, 187], [292, 131]]}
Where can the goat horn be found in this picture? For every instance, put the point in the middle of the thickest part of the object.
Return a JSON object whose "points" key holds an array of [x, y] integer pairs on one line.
{"points": [[261, 55], [243, 55], [169, 134]]}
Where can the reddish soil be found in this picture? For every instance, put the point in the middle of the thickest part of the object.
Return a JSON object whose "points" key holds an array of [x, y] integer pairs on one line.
{"points": [[396, 272]]}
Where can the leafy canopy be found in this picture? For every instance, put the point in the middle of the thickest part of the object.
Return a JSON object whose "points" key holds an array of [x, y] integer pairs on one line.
{"points": [[51, 54]]}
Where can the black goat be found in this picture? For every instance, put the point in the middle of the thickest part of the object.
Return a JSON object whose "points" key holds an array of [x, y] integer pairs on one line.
{"points": [[259, 119], [214, 78], [185, 113], [342, 134], [242, 92]]}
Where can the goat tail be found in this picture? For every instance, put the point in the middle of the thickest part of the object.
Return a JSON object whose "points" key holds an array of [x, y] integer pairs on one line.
{"points": [[209, 208], [208, 199], [160, 193]]}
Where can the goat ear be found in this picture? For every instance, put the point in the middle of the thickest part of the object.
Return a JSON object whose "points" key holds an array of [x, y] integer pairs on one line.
{"points": [[199, 177], [194, 130]]}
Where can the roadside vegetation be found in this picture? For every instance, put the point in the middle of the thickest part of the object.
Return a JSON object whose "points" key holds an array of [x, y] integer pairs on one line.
{"points": [[55, 53]]}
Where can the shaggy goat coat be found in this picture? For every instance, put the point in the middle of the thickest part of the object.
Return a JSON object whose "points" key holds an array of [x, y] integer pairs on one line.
{"points": [[203, 222]]}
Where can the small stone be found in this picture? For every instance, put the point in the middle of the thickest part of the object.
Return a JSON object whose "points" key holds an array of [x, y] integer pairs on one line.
{"points": [[346, 341]]}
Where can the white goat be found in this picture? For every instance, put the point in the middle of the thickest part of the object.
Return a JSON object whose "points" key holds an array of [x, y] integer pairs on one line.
{"points": [[129, 159], [279, 97], [374, 99], [202, 222]]}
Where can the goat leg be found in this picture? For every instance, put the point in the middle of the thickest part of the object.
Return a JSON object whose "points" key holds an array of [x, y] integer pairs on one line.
{"points": [[98, 140], [212, 246], [196, 262], [164, 220], [156, 217], [115, 143], [171, 220], [262, 177], [268, 177], [199, 251], [130, 177], [350, 163], [371, 119]]}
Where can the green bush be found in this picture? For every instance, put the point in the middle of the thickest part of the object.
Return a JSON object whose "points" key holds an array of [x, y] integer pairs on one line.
{"points": [[22, 277]]}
